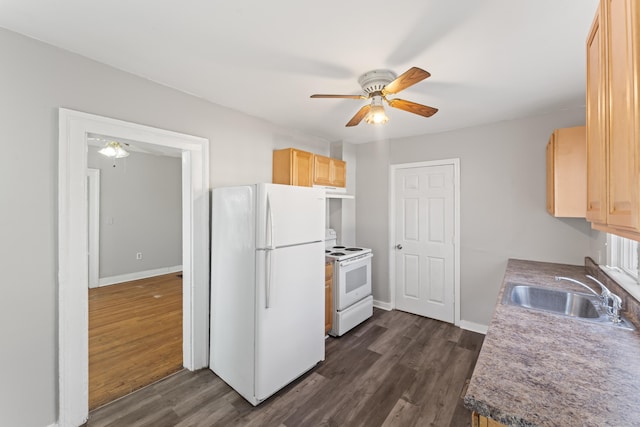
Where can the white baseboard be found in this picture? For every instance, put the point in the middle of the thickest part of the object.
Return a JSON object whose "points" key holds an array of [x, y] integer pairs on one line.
{"points": [[112, 280], [53, 425], [383, 305], [474, 327]]}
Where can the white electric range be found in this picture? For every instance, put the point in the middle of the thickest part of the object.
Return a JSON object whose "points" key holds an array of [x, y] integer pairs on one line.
{"points": [[352, 299]]}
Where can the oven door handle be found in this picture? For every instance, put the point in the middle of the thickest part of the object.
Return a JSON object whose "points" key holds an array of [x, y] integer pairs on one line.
{"points": [[355, 260]]}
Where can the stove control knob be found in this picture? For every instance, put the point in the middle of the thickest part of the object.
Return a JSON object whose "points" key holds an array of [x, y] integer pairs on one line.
{"points": [[398, 246]]}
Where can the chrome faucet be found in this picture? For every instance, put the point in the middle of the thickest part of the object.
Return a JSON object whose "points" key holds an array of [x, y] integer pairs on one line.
{"points": [[608, 300]]}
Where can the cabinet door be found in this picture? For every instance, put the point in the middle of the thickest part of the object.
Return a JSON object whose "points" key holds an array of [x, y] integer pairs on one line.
{"points": [[550, 176], [478, 420], [570, 181], [622, 209], [328, 297], [292, 167], [566, 172], [322, 170], [596, 125], [302, 168], [338, 171]]}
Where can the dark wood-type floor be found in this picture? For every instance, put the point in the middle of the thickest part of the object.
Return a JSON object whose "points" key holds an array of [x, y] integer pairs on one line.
{"points": [[396, 369], [135, 336]]}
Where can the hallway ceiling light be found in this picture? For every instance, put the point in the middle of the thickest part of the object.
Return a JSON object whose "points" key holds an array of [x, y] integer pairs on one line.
{"points": [[113, 149]]}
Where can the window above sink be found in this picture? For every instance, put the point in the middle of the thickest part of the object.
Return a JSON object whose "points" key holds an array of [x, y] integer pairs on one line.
{"points": [[622, 263]]}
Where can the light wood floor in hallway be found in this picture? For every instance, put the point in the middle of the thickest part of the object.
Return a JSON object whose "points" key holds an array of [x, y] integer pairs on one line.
{"points": [[135, 336], [396, 369]]}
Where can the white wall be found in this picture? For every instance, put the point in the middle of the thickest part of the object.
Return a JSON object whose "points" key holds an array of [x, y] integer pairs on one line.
{"points": [[140, 211], [598, 247], [35, 80], [372, 211], [341, 213], [503, 210]]}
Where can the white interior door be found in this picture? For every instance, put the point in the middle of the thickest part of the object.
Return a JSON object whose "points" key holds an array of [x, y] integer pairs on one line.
{"points": [[424, 232]]}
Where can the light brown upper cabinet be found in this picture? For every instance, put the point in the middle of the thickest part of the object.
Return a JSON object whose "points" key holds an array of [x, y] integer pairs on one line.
{"points": [[296, 167], [329, 171], [613, 49], [596, 136], [567, 172], [292, 167]]}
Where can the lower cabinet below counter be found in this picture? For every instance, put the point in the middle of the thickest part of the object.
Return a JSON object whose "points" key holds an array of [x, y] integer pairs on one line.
{"points": [[328, 297], [478, 420]]}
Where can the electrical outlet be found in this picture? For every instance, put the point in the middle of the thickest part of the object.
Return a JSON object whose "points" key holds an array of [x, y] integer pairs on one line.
{"points": [[139, 255]]}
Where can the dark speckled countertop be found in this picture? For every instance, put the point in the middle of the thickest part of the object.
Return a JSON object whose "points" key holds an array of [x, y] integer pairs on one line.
{"points": [[541, 369]]}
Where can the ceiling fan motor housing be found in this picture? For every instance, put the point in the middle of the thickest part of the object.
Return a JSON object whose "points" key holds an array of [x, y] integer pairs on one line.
{"points": [[376, 80]]}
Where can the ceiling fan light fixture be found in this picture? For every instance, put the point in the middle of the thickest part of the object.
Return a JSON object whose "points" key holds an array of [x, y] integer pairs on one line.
{"points": [[376, 115], [113, 149], [377, 85]]}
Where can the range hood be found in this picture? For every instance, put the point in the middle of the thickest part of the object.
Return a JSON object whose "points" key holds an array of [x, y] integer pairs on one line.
{"points": [[335, 192]]}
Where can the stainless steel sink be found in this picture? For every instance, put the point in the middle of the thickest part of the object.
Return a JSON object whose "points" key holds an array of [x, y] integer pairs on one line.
{"points": [[565, 303]]}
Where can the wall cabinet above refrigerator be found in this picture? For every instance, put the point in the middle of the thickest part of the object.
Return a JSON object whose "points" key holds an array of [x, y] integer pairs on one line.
{"points": [[292, 167], [296, 167]]}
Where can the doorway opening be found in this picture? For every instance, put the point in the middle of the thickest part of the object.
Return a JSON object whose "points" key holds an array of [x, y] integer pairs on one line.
{"points": [[73, 277], [135, 257]]}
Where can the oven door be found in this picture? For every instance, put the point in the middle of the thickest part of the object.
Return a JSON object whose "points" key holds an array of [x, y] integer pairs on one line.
{"points": [[353, 280]]}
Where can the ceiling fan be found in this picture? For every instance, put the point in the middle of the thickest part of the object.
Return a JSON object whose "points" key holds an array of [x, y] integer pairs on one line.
{"points": [[377, 84]]}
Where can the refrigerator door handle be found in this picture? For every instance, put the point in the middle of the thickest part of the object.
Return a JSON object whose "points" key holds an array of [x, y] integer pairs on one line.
{"points": [[267, 281], [270, 221]]}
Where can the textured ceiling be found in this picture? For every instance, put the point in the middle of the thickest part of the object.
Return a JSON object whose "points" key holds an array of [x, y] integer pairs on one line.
{"points": [[490, 60]]}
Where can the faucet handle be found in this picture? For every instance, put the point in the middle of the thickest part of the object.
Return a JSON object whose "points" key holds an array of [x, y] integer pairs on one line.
{"points": [[613, 308]]}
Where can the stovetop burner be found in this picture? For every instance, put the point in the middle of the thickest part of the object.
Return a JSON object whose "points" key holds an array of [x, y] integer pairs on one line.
{"points": [[341, 253]]}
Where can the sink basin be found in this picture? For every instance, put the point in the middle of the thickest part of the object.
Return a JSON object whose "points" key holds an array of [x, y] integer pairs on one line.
{"points": [[565, 303], [556, 301]]}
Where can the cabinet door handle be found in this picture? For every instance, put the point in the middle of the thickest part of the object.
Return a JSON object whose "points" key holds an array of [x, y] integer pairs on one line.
{"points": [[399, 246]]}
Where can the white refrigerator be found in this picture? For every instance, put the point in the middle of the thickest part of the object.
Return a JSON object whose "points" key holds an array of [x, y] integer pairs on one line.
{"points": [[267, 286]]}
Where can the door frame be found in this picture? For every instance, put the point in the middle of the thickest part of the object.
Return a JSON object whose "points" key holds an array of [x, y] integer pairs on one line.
{"points": [[93, 176], [73, 355], [456, 227]]}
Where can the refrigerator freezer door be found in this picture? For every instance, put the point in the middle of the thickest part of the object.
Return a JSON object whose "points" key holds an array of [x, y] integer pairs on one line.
{"points": [[290, 333], [289, 215]]}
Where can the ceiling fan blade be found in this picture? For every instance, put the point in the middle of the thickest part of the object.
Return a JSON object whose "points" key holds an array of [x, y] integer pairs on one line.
{"points": [[412, 107], [340, 96], [359, 116], [410, 77]]}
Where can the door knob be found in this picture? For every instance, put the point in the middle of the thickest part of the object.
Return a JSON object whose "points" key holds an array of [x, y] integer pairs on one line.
{"points": [[398, 246]]}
